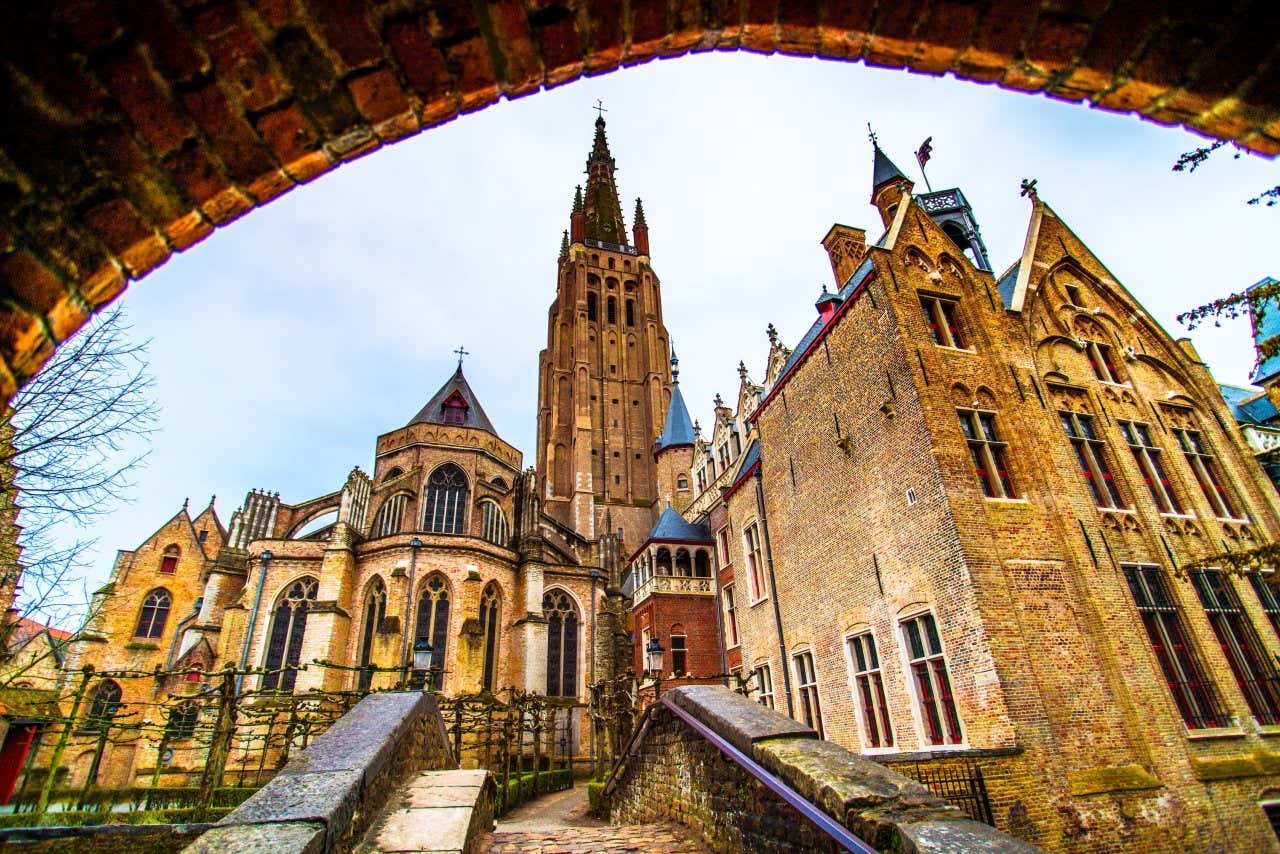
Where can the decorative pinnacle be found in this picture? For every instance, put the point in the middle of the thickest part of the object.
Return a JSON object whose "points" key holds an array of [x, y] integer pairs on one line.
{"points": [[697, 428], [564, 245], [773, 335], [719, 401], [675, 365], [640, 223], [1028, 188], [577, 199], [742, 371], [872, 136]]}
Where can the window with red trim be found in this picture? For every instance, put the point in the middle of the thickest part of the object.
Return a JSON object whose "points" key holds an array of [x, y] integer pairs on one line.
{"points": [[932, 682]]}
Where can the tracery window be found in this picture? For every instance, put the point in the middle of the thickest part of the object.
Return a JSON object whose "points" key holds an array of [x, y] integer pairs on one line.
{"points": [[943, 326], [375, 610], [1091, 455], [494, 527], [182, 721], [932, 682], [1193, 693], [1205, 468], [490, 612], [990, 460], [288, 625], [1250, 664], [562, 644], [1147, 455], [105, 705], [433, 622], [154, 614], [868, 687], [390, 516], [445, 501]]}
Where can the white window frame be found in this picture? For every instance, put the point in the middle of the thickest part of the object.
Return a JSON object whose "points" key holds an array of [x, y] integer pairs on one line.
{"points": [[756, 588], [814, 701], [764, 685], [917, 703], [886, 721], [731, 616]]}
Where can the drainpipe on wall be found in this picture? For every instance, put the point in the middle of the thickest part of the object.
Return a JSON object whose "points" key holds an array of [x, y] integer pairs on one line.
{"points": [[715, 574], [177, 632], [414, 545], [773, 587], [253, 619]]}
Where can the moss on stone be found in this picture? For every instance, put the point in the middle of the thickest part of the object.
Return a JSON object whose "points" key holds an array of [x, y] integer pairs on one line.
{"points": [[1118, 778]]}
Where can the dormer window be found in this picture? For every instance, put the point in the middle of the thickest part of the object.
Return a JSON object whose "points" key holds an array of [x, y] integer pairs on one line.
{"points": [[454, 410]]}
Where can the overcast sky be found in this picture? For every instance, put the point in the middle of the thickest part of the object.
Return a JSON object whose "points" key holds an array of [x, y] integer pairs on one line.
{"points": [[285, 343]]}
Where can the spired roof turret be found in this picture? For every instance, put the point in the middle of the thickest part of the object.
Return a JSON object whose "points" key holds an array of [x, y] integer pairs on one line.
{"points": [[674, 528], [883, 170], [678, 431], [603, 210], [455, 404]]}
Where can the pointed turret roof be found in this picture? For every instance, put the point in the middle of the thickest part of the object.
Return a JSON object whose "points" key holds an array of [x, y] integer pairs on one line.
{"points": [[679, 427], [883, 170], [672, 527], [603, 210], [639, 218], [433, 412]]}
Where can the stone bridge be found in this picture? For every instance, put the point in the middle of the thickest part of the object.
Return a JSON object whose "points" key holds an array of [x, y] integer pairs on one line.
{"points": [[705, 770], [134, 128]]}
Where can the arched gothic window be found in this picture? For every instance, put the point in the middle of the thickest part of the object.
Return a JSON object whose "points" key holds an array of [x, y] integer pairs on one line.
{"points": [[631, 312], [495, 523], [105, 706], [683, 565], [375, 610], [284, 644], [445, 501], [490, 612], [390, 516], [154, 614], [182, 721], [562, 644], [613, 310], [433, 622]]}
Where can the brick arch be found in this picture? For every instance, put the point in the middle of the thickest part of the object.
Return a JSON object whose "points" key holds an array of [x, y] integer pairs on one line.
{"points": [[135, 127]]}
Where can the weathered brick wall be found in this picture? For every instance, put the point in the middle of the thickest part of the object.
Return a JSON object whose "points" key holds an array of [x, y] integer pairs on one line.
{"points": [[134, 129]]}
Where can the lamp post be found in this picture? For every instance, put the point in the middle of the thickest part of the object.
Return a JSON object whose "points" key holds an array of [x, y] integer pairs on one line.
{"points": [[414, 545], [654, 652], [591, 711], [422, 655]]}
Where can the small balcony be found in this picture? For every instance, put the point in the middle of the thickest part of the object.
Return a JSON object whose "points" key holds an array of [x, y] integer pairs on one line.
{"points": [[681, 584]]}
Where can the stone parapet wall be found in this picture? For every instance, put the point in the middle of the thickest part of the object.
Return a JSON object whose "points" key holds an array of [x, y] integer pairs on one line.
{"points": [[674, 773], [327, 796]]}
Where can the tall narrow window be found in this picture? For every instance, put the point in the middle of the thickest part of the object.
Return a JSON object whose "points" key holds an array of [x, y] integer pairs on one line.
{"points": [[631, 312], [730, 616], [1205, 468], [562, 644], [375, 610], [1147, 456], [1249, 661], [807, 686], [169, 560], [679, 653], [764, 683], [433, 623], [1192, 692], [612, 308], [591, 306], [722, 537], [931, 680], [445, 505], [1104, 367], [1266, 592], [990, 460], [154, 614], [755, 563], [1092, 457], [494, 528], [943, 326], [390, 516], [288, 626], [490, 608], [868, 686], [105, 706]]}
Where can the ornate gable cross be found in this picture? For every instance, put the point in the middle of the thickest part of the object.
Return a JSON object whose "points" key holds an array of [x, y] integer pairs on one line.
{"points": [[461, 351]]}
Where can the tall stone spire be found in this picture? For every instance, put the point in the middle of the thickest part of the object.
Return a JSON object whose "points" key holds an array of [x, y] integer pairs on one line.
{"points": [[603, 210], [678, 430], [640, 229]]}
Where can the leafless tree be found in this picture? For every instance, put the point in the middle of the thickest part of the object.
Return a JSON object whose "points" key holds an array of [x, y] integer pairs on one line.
{"points": [[74, 437]]}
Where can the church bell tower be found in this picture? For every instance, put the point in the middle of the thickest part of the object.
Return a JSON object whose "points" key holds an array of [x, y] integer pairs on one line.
{"points": [[604, 380]]}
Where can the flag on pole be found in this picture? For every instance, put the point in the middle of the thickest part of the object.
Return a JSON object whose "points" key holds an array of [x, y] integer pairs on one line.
{"points": [[925, 152]]}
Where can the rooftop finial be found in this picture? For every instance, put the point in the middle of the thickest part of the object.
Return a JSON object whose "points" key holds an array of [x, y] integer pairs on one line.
{"points": [[564, 245], [185, 501], [675, 365], [639, 214], [600, 111], [577, 198], [773, 335], [742, 371], [1029, 189], [461, 351], [872, 136], [719, 401]]}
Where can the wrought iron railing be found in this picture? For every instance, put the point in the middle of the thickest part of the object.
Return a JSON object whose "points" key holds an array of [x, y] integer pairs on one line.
{"points": [[962, 785]]}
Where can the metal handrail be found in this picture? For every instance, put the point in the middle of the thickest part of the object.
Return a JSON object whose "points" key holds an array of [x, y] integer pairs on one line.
{"points": [[836, 832]]}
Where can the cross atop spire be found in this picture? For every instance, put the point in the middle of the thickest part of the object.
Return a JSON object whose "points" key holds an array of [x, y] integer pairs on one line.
{"points": [[871, 135], [600, 110], [461, 352]]}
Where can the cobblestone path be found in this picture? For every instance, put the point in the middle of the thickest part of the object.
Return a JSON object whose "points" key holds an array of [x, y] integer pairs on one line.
{"points": [[560, 822]]}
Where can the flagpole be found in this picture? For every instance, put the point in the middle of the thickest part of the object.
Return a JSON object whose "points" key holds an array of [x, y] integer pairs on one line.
{"points": [[923, 153], [925, 175]]}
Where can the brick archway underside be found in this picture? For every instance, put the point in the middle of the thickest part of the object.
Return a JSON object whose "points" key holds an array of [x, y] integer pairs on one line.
{"points": [[133, 128]]}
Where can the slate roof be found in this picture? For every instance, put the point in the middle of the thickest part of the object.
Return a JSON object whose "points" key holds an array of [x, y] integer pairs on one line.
{"points": [[1249, 405], [883, 170], [672, 527], [1268, 326], [679, 427], [749, 459], [808, 338], [432, 412], [1007, 283]]}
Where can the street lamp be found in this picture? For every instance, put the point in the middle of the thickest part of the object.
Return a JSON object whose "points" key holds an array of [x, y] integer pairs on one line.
{"points": [[595, 577], [654, 653], [422, 654], [414, 545]]}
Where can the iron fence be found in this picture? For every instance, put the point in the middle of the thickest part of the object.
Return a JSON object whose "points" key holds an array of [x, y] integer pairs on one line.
{"points": [[962, 785]]}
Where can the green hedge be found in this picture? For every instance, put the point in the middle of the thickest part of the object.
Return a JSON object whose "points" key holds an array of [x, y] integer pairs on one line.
{"points": [[79, 818], [595, 799], [137, 798], [521, 789]]}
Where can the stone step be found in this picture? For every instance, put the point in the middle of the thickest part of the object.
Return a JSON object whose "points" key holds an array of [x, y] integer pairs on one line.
{"points": [[648, 838]]}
